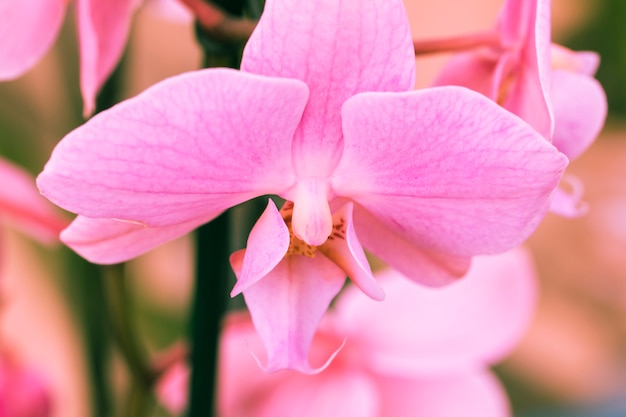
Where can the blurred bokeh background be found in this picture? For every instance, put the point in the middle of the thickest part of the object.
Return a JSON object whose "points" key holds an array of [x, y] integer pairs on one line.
{"points": [[572, 361]]}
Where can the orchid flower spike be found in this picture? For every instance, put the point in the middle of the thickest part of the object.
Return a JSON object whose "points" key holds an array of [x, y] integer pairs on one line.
{"points": [[29, 28], [423, 352], [323, 115], [549, 86]]}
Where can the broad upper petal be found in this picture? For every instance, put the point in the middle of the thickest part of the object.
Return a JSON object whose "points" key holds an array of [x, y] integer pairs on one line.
{"points": [[470, 393], [27, 31], [110, 241], [103, 28], [580, 110], [288, 304], [446, 169], [338, 48], [22, 205], [188, 147], [467, 325]]}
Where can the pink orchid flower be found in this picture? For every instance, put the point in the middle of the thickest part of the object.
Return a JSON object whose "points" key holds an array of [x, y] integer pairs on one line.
{"points": [[549, 86], [30, 28], [327, 121], [423, 352], [22, 391], [22, 206]]}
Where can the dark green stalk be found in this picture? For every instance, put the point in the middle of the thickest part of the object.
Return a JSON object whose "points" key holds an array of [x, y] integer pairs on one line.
{"points": [[213, 248], [209, 304]]}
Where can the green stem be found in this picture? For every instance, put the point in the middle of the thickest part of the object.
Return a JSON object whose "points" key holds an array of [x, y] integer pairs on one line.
{"points": [[209, 304]]}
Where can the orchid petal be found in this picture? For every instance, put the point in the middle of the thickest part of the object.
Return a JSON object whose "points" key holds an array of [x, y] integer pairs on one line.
{"points": [[421, 265], [243, 385], [580, 109], [337, 52], [187, 148], [103, 28], [27, 31], [446, 169], [288, 304], [419, 330], [23, 206], [477, 71], [460, 394], [330, 394], [345, 250], [110, 241], [568, 202], [267, 246], [530, 94]]}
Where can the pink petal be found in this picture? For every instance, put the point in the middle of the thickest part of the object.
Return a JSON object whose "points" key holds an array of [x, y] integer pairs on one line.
{"points": [[110, 241], [446, 169], [419, 264], [23, 206], [267, 245], [529, 97], [345, 250], [103, 28], [479, 71], [288, 304], [462, 394], [580, 109], [338, 48], [187, 148], [418, 330], [568, 200], [245, 390], [27, 31], [330, 394], [243, 385]]}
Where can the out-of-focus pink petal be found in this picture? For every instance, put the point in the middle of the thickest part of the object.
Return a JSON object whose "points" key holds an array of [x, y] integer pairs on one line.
{"points": [[243, 385], [23, 393], [110, 241], [172, 388], [28, 29], [288, 304], [474, 70], [345, 250], [446, 169], [103, 28], [188, 147], [529, 97], [581, 62], [329, 394], [580, 109], [267, 246], [419, 330], [419, 264], [339, 48], [247, 391], [568, 202], [460, 394], [23, 206]]}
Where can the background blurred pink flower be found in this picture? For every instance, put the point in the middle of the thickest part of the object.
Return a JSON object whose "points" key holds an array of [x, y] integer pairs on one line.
{"points": [[32, 27], [22, 391]]}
